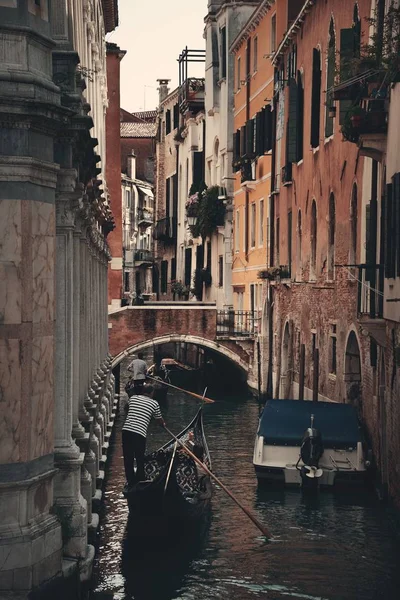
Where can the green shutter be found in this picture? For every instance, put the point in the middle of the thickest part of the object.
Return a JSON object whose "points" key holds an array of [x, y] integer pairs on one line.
{"points": [[249, 138], [242, 141], [292, 122], [267, 128], [396, 221], [346, 55]]}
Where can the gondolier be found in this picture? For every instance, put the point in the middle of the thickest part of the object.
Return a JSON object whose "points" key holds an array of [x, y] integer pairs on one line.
{"points": [[139, 369], [142, 408]]}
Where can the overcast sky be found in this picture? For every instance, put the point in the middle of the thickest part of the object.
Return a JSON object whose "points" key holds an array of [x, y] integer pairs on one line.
{"points": [[153, 33]]}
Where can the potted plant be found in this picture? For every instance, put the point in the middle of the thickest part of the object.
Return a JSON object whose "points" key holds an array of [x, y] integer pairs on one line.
{"points": [[211, 213], [177, 288], [357, 116]]}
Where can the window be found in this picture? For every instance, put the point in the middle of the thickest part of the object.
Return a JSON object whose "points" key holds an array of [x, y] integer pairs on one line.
{"points": [[294, 135], [315, 98], [238, 74], [223, 52], [330, 79], [298, 246], [300, 117], [164, 276], [353, 226], [332, 350], [255, 54], [273, 33], [188, 266], [220, 271], [128, 199], [176, 115], [261, 224], [173, 268], [168, 122], [313, 236], [253, 225], [331, 237], [126, 281], [237, 231]]}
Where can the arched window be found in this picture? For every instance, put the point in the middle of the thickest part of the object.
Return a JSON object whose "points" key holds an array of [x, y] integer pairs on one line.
{"points": [[298, 248], [216, 163], [313, 236], [331, 237], [353, 226], [330, 78]]}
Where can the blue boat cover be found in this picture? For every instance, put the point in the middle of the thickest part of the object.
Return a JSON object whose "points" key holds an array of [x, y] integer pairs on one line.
{"points": [[283, 423]]}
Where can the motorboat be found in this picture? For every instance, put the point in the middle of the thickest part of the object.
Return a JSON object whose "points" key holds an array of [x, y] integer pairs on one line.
{"points": [[307, 443]]}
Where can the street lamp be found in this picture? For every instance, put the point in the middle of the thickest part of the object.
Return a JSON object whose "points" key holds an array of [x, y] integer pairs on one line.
{"points": [[192, 220]]}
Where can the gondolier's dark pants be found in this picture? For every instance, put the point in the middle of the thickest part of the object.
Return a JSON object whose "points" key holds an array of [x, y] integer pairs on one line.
{"points": [[133, 446]]}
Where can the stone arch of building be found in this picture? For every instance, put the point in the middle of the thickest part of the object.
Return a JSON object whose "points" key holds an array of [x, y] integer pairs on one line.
{"points": [[189, 339]]}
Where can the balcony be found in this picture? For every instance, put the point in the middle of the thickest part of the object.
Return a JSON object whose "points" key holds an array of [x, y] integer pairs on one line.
{"points": [[247, 173], [373, 129], [143, 257], [237, 323], [370, 302], [165, 230], [129, 258], [145, 217], [191, 95]]}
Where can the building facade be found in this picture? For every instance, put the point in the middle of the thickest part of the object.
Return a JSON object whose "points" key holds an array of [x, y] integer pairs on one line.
{"points": [[252, 140], [224, 20], [55, 377]]}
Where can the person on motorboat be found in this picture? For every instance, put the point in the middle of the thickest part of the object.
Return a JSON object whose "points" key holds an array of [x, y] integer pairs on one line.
{"points": [[141, 409], [139, 369]]}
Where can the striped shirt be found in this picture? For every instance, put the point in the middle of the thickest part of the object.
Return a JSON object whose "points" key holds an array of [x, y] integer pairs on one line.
{"points": [[141, 410]]}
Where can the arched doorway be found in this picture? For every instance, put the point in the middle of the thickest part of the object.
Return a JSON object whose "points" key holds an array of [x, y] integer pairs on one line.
{"points": [[352, 371], [286, 363]]}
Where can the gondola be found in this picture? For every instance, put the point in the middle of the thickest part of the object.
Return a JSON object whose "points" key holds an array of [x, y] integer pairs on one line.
{"points": [[173, 493]]}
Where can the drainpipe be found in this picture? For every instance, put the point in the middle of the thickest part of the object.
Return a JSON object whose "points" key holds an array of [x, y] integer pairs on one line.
{"points": [[246, 206]]}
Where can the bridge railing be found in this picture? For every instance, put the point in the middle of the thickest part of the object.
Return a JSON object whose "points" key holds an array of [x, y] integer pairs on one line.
{"points": [[238, 323]]}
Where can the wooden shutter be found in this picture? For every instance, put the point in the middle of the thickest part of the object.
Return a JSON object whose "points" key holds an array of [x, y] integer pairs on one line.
{"points": [[259, 134], [164, 276], [223, 52], [235, 149], [300, 118], [389, 271], [168, 122], [249, 138], [396, 221], [188, 266], [292, 122], [315, 98], [267, 128], [173, 268], [346, 54], [198, 165], [243, 141], [176, 116]]}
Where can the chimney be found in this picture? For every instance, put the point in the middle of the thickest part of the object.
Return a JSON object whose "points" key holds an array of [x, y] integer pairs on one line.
{"points": [[163, 89], [132, 165]]}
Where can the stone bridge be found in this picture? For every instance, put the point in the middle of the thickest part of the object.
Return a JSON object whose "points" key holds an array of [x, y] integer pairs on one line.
{"points": [[135, 328]]}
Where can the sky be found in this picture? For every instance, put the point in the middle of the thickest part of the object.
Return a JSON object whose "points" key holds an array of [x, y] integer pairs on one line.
{"points": [[154, 33]]}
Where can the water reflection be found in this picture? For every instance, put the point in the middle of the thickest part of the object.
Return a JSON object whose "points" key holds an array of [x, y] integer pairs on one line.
{"points": [[325, 546]]}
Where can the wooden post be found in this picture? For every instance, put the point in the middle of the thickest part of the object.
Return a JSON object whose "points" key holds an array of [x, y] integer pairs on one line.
{"points": [[316, 375], [258, 369], [301, 374]]}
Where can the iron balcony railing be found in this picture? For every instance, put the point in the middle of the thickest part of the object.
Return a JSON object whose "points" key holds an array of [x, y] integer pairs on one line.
{"points": [[165, 230], [238, 323], [145, 215], [370, 291], [192, 94], [144, 256]]}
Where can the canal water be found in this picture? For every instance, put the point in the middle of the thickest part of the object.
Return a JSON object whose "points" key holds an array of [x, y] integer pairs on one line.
{"points": [[329, 546]]}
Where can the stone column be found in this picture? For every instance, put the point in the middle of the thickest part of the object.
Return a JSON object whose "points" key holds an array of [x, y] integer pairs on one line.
{"points": [[30, 114], [69, 503]]}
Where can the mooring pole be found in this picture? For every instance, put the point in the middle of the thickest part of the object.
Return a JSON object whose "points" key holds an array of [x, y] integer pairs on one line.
{"points": [[301, 374], [316, 375]]}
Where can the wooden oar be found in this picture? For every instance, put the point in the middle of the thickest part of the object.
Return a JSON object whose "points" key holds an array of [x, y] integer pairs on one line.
{"points": [[170, 467], [203, 398], [256, 522]]}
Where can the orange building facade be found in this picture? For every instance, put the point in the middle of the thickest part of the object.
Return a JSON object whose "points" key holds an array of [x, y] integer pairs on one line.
{"points": [[253, 127]]}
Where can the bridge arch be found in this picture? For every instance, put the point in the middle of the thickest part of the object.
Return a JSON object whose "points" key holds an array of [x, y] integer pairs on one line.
{"points": [[189, 339]]}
